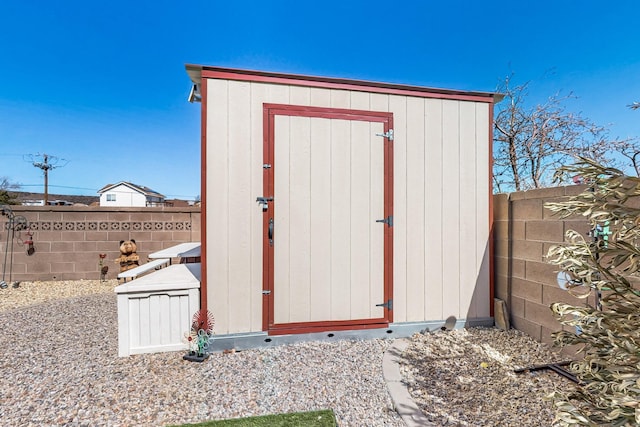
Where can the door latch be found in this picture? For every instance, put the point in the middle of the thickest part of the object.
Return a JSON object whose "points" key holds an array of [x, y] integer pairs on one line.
{"points": [[388, 134], [264, 202], [388, 220], [388, 305]]}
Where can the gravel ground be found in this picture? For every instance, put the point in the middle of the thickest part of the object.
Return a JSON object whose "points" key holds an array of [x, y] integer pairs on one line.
{"points": [[59, 366], [466, 378]]}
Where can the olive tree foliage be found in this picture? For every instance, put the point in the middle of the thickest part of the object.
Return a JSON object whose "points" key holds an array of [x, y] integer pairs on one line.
{"points": [[531, 142], [606, 334]]}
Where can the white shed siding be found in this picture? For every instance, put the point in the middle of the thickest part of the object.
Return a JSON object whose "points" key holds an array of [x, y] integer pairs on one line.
{"points": [[441, 200]]}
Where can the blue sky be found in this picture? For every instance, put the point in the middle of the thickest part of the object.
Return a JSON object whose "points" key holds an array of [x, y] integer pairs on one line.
{"points": [[103, 86]]}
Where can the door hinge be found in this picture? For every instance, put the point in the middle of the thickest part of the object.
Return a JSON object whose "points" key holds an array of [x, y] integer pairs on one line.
{"points": [[266, 166], [388, 220], [388, 304], [266, 292], [388, 134]]}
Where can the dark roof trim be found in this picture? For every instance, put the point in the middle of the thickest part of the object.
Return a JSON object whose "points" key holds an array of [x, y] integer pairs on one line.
{"points": [[197, 72]]}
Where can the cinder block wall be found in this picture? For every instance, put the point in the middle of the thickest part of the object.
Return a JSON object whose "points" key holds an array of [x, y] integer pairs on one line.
{"points": [[69, 239], [524, 230]]}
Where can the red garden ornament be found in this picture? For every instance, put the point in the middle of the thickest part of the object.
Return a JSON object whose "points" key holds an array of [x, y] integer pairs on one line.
{"points": [[198, 337]]}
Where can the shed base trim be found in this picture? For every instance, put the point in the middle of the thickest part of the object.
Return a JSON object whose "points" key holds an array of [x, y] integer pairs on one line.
{"points": [[250, 340]]}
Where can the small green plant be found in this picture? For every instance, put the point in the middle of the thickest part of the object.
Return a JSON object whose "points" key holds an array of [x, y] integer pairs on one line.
{"points": [[607, 333]]}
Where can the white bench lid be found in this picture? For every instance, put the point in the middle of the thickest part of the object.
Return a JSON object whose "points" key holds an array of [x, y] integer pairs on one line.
{"points": [[176, 276]]}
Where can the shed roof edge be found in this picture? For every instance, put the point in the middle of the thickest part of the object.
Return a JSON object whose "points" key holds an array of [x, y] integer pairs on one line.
{"points": [[196, 72]]}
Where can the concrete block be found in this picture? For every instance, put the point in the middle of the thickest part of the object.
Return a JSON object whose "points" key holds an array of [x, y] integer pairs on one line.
{"points": [[546, 231], [74, 216], [541, 272], [62, 267], [545, 193], [527, 290], [501, 207], [541, 314], [552, 293], [526, 250], [518, 230], [61, 247], [516, 307], [500, 230], [501, 287], [518, 268], [532, 329], [501, 248], [528, 209]]}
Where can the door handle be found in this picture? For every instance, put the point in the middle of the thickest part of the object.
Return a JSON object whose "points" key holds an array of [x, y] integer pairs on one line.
{"points": [[270, 231]]}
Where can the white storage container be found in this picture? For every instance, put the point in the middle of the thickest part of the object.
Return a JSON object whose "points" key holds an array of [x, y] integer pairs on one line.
{"points": [[155, 311]]}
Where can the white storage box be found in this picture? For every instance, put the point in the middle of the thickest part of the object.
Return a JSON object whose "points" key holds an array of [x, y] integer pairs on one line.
{"points": [[155, 311]]}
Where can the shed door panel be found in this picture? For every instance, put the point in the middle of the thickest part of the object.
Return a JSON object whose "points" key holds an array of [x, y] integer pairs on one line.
{"points": [[328, 263]]}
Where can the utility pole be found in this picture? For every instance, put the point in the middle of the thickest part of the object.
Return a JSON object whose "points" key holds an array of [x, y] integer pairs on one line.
{"points": [[48, 162]]}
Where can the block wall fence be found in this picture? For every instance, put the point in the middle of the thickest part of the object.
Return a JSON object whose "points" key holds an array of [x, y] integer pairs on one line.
{"points": [[69, 239], [524, 230]]}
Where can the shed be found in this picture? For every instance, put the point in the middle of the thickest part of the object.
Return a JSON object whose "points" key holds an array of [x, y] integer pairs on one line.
{"points": [[336, 207]]}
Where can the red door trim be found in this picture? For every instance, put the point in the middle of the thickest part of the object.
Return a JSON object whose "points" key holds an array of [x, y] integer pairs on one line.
{"points": [[203, 196], [336, 325], [267, 191], [270, 111]]}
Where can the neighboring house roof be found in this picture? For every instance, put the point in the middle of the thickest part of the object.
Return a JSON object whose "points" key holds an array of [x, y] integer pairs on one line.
{"points": [[177, 203], [23, 196], [139, 188]]}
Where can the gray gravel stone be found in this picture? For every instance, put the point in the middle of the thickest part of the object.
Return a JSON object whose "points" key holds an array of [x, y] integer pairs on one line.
{"points": [[60, 367]]}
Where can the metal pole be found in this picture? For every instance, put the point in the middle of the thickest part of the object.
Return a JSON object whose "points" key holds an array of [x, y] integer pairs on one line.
{"points": [[46, 180], [6, 211], [13, 235]]}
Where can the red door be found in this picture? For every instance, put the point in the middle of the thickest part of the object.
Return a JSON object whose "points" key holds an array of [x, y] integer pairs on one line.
{"points": [[328, 219]]}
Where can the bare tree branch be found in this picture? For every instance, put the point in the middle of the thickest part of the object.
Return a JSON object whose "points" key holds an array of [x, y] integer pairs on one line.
{"points": [[530, 143]]}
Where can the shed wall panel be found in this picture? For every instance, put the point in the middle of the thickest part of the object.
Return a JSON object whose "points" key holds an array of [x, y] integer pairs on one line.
{"points": [[398, 104], [415, 219], [320, 220], [240, 205], [467, 201], [434, 211], [299, 219], [340, 210], [283, 165], [451, 206], [217, 215], [483, 208], [441, 194], [257, 172]]}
